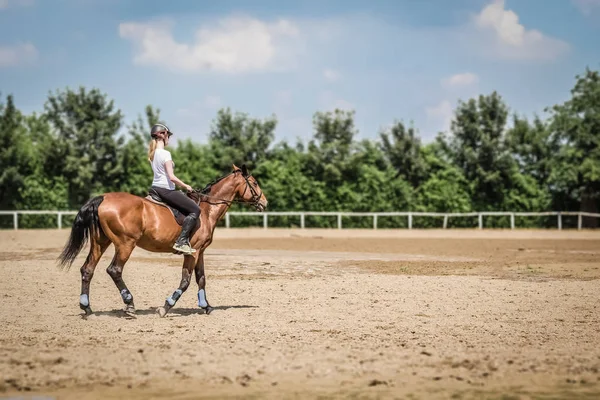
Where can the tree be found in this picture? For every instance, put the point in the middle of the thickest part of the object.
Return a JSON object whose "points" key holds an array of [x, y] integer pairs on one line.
{"points": [[445, 188], [87, 124], [532, 146], [575, 124], [478, 149], [17, 158], [402, 148], [331, 146], [239, 139]]}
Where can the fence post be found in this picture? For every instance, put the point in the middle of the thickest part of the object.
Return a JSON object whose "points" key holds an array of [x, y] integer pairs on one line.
{"points": [[579, 221], [339, 221], [302, 220], [445, 221], [512, 220], [227, 222], [559, 221], [59, 218], [16, 220], [374, 221], [480, 220], [409, 220], [265, 223]]}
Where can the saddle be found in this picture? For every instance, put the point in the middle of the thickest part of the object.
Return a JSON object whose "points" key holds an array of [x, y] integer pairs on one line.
{"points": [[155, 198]]}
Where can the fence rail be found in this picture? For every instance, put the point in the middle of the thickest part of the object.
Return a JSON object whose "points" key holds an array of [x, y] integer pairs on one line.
{"points": [[374, 215]]}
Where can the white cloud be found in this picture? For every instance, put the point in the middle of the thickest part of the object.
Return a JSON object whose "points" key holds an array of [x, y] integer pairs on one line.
{"points": [[464, 79], [331, 75], [20, 54], [587, 6], [234, 45], [442, 114], [511, 40]]}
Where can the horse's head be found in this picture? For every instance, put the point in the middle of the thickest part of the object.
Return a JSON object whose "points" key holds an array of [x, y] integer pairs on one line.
{"points": [[248, 189]]}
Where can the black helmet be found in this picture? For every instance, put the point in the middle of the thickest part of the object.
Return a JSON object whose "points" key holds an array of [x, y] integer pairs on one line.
{"points": [[157, 128]]}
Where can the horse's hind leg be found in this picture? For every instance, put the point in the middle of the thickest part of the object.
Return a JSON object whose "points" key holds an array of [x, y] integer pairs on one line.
{"points": [[98, 246], [186, 276], [115, 270]]}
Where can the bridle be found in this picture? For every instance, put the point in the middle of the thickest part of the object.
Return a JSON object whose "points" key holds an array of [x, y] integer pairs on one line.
{"points": [[255, 201]]}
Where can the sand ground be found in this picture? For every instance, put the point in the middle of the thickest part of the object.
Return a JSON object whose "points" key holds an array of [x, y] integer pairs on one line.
{"points": [[313, 313]]}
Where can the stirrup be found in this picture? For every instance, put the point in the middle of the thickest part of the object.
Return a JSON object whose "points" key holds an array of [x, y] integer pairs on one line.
{"points": [[184, 248]]}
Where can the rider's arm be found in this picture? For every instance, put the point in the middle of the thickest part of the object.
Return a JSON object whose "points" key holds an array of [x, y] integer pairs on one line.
{"points": [[173, 178]]}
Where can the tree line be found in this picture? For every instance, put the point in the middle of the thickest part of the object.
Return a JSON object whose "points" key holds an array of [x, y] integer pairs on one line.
{"points": [[491, 159]]}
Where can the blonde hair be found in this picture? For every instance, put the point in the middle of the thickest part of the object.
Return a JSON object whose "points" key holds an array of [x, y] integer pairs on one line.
{"points": [[152, 149]]}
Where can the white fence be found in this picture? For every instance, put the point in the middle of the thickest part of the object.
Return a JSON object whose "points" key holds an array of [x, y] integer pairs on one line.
{"points": [[374, 215]]}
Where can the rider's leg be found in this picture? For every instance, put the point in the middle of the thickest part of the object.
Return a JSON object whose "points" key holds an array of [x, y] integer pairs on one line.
{"points": [[182, 243], [180, 201]]}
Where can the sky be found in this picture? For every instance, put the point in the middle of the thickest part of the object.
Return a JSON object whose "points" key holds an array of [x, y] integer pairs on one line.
{"points": [[403, 60]]}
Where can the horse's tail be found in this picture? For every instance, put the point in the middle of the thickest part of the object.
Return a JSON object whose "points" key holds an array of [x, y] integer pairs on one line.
{"points": [[86, 223]]}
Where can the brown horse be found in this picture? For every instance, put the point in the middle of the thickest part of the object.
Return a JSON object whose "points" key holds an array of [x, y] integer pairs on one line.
{"points": [[129, 221]]}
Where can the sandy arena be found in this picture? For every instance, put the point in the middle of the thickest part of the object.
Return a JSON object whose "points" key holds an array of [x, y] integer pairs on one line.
{"points": [[315, 313]]}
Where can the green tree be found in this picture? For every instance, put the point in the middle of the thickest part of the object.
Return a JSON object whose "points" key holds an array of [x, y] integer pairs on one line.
{"points": [[478, 147], [532, 146], [402, 148], [236, 138], [329, 151], [17, 158], [445, 189], [575, 175], [196, 164], [87, 125]]}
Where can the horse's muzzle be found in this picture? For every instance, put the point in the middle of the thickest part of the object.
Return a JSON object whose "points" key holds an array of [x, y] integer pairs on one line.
{"points": [[260, 206]]}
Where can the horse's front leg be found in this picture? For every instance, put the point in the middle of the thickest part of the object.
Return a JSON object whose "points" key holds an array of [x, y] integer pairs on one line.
{"points": [[186, 276], [201, 281]]}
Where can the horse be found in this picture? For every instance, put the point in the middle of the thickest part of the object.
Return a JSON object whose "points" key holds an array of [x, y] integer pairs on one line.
{"points": [[127, 221]]}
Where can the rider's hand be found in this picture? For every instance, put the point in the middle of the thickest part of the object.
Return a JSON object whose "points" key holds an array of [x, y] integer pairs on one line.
{"points": [[188, 188]]}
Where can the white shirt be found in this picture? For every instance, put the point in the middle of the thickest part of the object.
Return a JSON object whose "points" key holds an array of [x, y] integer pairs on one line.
{"points": [[161, 178]]}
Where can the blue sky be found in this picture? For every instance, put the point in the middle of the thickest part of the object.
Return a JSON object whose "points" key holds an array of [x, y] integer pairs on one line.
{"points": [[388, 60]]}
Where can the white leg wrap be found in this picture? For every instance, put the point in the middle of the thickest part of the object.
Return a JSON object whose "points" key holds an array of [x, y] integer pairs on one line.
{"points": [[202, 299], [84, 300], [171, 300]]}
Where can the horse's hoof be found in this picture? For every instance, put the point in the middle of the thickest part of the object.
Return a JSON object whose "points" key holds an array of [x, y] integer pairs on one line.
{"points": [[87, 311], [208, 310], [161, 311], [130, 311]]}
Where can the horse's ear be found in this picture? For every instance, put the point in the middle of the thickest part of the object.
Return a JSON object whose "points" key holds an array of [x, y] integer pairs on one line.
{"points": [[235, 168], [244, 170]]}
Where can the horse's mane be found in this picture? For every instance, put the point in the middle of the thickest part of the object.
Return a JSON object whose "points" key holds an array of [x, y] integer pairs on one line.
{"points": [[207, 189]]}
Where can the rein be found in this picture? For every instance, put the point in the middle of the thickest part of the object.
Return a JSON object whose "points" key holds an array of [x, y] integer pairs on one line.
{"points": [[255, 196]]}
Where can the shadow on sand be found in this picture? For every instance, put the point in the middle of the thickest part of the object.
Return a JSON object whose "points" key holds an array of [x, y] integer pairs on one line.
{"points": [[178, 312]]}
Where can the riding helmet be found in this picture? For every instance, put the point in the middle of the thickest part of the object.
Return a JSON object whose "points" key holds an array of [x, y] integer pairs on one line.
{"points": [[156, 128]]}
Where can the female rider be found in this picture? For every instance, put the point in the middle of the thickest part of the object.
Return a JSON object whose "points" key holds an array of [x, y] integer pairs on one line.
{"points": [[164, 184]]}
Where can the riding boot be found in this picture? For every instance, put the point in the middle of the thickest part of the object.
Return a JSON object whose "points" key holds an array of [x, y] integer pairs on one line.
{"points": [[182, 244]]}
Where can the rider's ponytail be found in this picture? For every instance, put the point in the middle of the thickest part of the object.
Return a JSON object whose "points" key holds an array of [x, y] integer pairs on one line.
{"points": [[151, 150]]}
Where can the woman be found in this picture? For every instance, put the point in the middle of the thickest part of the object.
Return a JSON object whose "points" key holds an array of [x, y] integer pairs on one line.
{"points": [[164, 184]]}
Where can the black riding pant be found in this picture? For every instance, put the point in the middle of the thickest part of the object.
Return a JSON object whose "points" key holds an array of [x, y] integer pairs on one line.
{"points": [[178, 200]]}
